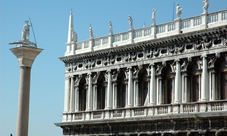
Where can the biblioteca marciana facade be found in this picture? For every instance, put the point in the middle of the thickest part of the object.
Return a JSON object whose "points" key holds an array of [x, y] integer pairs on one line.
{"points": [[161, 80]]}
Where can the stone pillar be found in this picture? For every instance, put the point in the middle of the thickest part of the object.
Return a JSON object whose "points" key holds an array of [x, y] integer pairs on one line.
{"points": [[26, 56], [76, 98], [72, 95], [204, 87], [136, 95], [94, 97], [213, 85], [177, 82], [89, 93], [130, 87], [109, 91], [66, 99], [152, 86], [114, 95], [186, 88]]}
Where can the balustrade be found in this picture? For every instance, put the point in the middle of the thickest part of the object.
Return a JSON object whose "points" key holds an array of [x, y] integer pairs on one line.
{"points": [[193, 107], [170, 28]]}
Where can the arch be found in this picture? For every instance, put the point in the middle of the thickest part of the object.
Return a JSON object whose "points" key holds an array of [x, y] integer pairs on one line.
{"points": [[82, 94], [121, 90], [142, 86], [221, 65], [194, 82], [101, 92], [168, 85]]}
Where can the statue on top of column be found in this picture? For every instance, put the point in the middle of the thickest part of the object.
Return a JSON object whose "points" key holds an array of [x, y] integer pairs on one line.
{"points": [[110, 27], [178, 11], [90, 31], [154, 17], [130, 21], [25, 36], [205, 6]]}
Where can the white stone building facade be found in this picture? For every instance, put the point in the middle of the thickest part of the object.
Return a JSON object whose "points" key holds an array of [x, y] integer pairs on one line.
{"points": [[167, 79]]}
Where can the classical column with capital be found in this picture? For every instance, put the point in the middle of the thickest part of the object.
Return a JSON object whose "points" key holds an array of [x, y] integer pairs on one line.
{"points": [[26, 56]]}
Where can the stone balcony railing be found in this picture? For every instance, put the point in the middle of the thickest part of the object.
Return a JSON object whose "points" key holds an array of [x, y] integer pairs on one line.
{"points": [[153, 32], [148, 111]]}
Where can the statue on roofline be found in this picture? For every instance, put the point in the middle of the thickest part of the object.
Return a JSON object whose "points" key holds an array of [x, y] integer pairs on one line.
{"points": [[130, 21], [153, 16], [110, 27], [205, 6], [91, 32], [178, 11]]}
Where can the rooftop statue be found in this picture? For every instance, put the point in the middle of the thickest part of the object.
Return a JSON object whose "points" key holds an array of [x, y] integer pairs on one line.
{"points": [[130, 21], [74, 36], [25, 36], [178, 11], [154, 17], [110, 27], [205, 6], [91, 32]]}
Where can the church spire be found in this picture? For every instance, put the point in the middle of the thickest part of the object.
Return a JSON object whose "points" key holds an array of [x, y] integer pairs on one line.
{"points": [[70, 30]]}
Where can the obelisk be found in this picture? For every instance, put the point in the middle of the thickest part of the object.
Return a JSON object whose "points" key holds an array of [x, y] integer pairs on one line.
{"points": [[26, 53]]}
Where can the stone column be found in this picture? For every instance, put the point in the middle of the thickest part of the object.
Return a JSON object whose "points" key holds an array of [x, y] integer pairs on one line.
{"points": [[94, 97], [152, 86], [72, 95], [204, 87], [26, 56], [177, 82], [130, 87], [136, 95], [109, 91], [89, 93], [114, 95], [186, 88], [213, 85], [66, 99], [76, 98]]}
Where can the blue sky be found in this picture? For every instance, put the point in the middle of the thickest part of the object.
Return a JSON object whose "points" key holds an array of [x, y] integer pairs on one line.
{"points": [[50, 23]]}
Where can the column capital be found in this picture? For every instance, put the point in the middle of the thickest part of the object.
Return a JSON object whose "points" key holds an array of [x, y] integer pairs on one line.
{"points": [[26, 55]]}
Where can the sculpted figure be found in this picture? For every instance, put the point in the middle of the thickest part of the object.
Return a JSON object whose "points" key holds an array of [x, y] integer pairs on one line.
{"points": [[178, 11], [110, 27], [90, 31], [153, 16], [130, 21], [74, 36], [25, 31], [205, 6]]}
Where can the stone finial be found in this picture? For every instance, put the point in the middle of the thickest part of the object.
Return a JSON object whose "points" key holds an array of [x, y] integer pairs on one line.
{"points": [[205, 6], [153, 18], [178, 11], [130, 21], [91, 32]]}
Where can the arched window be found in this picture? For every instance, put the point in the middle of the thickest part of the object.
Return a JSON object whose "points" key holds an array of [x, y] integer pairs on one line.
{"points": [[101, 91], [142, 86], [82, 94], [194, 80], [168, 85], [221, 65], [121, 90]]}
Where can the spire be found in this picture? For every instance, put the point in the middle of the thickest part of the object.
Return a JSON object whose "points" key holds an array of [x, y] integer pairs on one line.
{"points": [[70, 27]]}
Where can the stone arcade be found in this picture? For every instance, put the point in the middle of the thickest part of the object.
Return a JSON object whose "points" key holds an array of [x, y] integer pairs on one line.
{"points": [[161, 80]]}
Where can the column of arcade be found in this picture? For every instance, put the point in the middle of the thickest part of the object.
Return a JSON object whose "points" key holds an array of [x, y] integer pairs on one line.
{"points": [[155, 93]]}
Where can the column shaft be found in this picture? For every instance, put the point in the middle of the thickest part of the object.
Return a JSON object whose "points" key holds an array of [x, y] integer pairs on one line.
{"points": [[130, 88], [204, 86], [177, 83], [109, 91], [152, 86], [72, 96], [66, 100], [23, 102]]}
